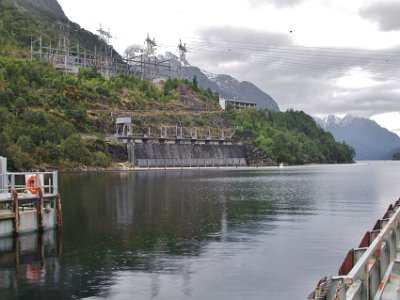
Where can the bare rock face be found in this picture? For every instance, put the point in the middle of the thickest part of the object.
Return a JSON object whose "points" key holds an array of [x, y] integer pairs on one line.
{"points": [[51, 6], [187, 97]]}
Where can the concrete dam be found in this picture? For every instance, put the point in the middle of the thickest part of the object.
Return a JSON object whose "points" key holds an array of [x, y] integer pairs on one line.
{"points": [[159, 155]]}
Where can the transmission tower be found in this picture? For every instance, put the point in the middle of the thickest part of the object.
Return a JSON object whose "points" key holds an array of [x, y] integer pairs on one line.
{"points": [[105, 51], [61, 56], [182, 59], [104, 36], [182, 53], [149, 56], [145, 63], [150, 46]]}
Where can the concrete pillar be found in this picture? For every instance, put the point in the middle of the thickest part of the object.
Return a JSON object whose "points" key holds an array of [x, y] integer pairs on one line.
{"points": [[131, 152]]}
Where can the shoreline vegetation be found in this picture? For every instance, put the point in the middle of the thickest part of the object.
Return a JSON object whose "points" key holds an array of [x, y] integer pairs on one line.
{"points": [[51, 120], [127, 167]]}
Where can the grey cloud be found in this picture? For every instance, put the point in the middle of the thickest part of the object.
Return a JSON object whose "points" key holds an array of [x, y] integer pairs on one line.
{"points": [[366, 102], [299, 77], [385, 13], [277, 3]]}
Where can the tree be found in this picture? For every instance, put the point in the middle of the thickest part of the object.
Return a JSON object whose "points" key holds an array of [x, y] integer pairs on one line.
{"points": [[101, 159], [75, 150], [132, 51], [195, 83], [25, 143], [396, 156], [4, 144]]}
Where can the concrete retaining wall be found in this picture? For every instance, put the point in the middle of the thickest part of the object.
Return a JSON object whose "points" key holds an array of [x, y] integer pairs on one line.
{"points": [[185, 155]]}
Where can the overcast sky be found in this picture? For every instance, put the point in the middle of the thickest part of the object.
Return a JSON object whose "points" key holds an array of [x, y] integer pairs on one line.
{"points": [[320, 56]]}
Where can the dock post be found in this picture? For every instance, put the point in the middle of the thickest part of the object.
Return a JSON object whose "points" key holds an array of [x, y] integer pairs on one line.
{"points": [[17, 253], [59, 212], [40, 211], [55, 182], [16, 212]]}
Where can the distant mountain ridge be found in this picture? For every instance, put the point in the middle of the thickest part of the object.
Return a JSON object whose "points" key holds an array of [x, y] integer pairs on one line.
{"points": [[25, 20], [226, 86], [230, 88], [370, 141]]}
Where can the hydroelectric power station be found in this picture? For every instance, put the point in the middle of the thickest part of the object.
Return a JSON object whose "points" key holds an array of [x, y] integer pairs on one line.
{"points": [[178, 147]]}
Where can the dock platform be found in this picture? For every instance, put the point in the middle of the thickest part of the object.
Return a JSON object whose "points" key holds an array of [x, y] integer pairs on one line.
{"points": [[29, 202]]}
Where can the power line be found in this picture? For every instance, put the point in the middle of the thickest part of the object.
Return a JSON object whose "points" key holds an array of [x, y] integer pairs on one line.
{"points": [[231, 42], [299, 53], [323, 59]]}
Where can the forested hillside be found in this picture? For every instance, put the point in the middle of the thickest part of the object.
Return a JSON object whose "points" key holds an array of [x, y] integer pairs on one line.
{"points": [[21, 22], [52, 120], [44, 115], [290, 137]]}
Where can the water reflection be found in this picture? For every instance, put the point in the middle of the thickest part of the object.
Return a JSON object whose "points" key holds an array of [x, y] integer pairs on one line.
{"points": [[205, 234], [30, 259], [147, 222]]}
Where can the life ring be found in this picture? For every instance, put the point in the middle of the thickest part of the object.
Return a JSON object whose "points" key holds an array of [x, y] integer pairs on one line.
{"points": [[31, 184]]}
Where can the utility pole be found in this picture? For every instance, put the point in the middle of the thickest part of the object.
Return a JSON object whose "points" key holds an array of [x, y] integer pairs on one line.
{"points": [[149, 54], [105, 37], [182, 57]]}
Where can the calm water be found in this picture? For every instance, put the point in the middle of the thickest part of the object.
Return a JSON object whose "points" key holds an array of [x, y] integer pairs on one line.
{"points": [[201, 234]]}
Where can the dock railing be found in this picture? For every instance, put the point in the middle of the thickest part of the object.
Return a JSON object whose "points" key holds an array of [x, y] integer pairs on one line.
{"points": [[29, 202], [368, 269], [27, 183]]}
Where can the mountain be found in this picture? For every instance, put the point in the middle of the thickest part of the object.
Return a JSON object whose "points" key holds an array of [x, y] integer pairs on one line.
{"points": [[370, 141], [23, 21], [52, 119], [51, 6], [394, 154], [230, 88], [225, 85]]}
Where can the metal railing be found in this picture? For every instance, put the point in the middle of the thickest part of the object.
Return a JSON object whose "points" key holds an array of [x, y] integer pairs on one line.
{"points": [[370, 266], [18, 181]]}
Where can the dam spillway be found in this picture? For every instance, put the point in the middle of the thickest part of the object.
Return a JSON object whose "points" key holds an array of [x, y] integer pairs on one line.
{"points": [[154, 155]]}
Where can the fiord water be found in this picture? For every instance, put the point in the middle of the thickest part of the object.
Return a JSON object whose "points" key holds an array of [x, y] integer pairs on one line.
{"points": [[201, 234]]}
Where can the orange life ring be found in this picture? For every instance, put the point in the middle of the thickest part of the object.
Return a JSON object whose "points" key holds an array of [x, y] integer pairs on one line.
{"points": [[31, 184]]}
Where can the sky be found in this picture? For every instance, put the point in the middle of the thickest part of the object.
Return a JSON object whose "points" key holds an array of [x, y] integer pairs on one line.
{"points": [[320, 56]]}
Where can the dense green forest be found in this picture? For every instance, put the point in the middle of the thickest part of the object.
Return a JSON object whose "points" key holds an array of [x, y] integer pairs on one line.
{"points": [[44, 115], [45, 121], [21, 22], [291, 137], [51, 120], [396, 156]]}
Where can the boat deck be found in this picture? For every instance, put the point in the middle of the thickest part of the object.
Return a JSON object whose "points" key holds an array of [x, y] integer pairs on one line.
{"points": [[372, 270], [391, 282]]}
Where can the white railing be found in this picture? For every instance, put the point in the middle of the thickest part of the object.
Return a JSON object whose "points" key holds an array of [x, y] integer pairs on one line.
{"points": [[372, 265], [28, 183]]}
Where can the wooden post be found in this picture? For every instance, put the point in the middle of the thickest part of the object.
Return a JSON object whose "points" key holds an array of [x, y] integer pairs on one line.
{"points": [[40, 211], [17, 254], [41, 246], [58, 211], [16, 212]]}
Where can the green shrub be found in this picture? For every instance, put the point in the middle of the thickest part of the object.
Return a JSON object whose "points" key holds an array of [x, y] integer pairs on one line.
{"points": [[101, 159]]}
